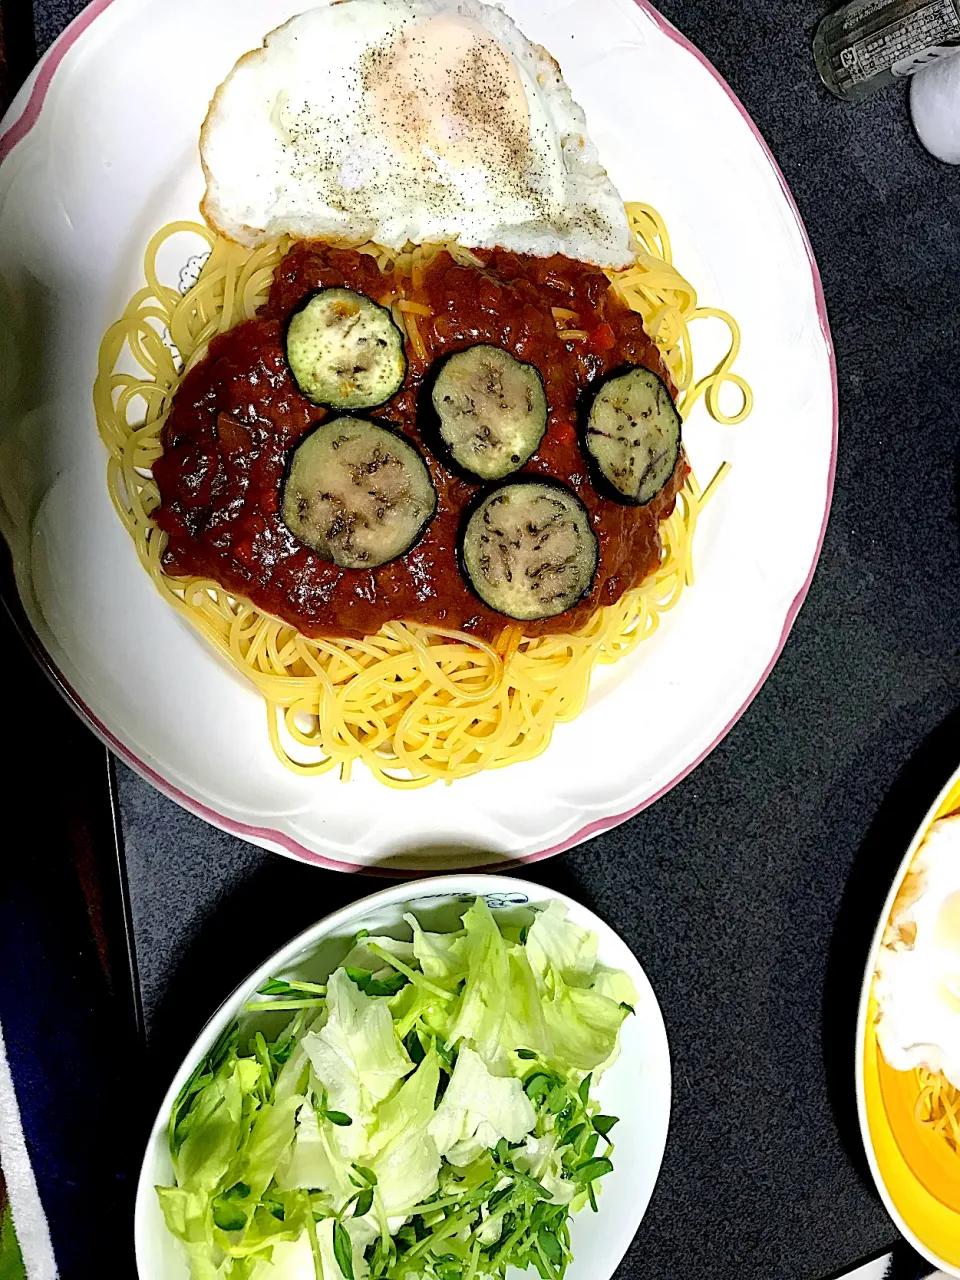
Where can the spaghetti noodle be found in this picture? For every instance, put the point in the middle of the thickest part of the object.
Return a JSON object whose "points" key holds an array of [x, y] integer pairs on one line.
{"points": [[415, 704], [938, 1106]]}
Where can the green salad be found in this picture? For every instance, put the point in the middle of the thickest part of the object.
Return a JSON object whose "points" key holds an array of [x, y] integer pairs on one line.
{"points": [[427, 1112]]}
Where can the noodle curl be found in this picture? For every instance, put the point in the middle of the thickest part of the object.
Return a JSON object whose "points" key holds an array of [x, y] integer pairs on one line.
{"points": [[414, 704]]}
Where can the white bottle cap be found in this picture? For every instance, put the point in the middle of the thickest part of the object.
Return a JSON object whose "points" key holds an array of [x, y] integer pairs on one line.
{"points": [[935, 106]]}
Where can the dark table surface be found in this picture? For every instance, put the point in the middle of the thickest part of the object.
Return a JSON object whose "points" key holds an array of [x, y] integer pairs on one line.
{"points": [[750, 891]]}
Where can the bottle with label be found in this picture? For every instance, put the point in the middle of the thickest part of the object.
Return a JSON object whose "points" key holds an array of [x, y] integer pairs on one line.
{"points": [[867, 44]]}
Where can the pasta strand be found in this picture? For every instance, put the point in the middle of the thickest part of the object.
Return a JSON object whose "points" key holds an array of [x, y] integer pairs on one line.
{"points": [[414, 704]]}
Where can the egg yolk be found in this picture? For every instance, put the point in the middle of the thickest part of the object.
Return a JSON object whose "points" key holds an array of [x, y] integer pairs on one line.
{"points": [[946, 934], [445, 89], [947, 928]]}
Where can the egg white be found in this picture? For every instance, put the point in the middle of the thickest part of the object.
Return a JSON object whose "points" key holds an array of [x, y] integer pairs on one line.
{"points": [[408, 121], [917, 986]]}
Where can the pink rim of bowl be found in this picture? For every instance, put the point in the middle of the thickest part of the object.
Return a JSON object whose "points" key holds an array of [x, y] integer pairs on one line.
{"points": [[277, 840]]}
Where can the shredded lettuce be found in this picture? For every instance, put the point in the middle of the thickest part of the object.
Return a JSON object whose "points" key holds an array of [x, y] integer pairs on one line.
{"points": [[440, 955], [356, 1058], [425, 1113], [583, 1006], [555, 944], [403, 1154], [483, 1003], [477, 1110], [314, 1160]]}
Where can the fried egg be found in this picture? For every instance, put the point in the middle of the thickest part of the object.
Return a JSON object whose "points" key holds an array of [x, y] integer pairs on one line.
{"points": [[408, 121], [917, 986]]}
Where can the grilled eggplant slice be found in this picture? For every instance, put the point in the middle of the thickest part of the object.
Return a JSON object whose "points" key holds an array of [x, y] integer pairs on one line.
{"points": [[491, 410], [358, 493], [345, 351], [632, 436], [528, 550]]}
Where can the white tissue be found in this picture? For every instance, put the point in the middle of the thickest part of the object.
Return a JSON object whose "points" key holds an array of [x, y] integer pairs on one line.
{"points": [[29, 1219], [935, 105]]}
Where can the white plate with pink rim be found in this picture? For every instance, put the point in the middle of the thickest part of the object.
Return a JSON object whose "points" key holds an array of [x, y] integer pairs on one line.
{"points": [[636, 1087], [100, 150]]}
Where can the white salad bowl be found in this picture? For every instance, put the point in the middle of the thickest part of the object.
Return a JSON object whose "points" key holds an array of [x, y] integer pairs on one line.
{"points": [[636, 1087]]}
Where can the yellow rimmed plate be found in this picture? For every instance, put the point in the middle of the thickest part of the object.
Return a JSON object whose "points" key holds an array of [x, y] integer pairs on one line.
{"points": [[912, 1170]]}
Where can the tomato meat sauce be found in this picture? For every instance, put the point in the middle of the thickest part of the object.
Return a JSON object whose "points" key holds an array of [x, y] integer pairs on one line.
{"points": [[238, 414]]}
